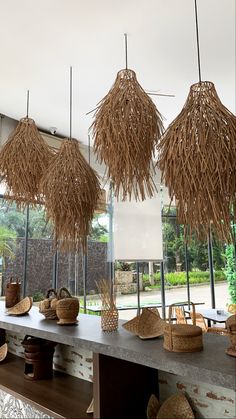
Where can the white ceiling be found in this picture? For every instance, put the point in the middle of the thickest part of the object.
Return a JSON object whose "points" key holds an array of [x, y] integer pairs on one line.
{"points": [[41, 39]]}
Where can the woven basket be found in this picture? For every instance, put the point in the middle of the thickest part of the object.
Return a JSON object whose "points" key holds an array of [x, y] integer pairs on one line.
{"points": [[109, 320], [12, 293], [67, 307], [176, 406], [22, 307], [49, 313], [3, 352], [183, 337]]}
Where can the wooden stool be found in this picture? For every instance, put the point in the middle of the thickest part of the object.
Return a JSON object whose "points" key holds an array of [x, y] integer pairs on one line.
{"points": [[38, 358]]}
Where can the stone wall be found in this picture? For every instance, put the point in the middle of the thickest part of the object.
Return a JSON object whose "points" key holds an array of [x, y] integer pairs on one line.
{"points": [[70, 267]]}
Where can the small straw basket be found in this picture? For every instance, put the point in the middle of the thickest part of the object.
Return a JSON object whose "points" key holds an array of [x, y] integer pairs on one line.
{"points": [[109, 319]]}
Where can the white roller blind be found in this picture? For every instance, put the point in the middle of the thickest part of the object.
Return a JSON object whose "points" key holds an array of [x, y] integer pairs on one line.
{"points": [[137, 230]]}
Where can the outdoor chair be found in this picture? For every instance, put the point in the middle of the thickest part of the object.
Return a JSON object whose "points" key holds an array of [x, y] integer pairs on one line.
{"points": [[180, 316], [200, 321], [232, 308]]}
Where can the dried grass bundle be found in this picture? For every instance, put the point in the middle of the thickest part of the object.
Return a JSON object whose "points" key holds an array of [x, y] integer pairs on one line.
{"points": [[71, 189], [126, 129], [24, 158], [106, 293], [197, 158]]}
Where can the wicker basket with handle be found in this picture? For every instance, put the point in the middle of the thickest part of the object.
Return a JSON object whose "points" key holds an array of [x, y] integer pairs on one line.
{"points": [[182, 337], [67, 307], [47, 307]]}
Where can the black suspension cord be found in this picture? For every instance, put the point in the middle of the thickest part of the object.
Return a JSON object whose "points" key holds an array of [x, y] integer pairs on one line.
{"points": [[198, 44], [27, 105], [126, 51], [70, 103]]}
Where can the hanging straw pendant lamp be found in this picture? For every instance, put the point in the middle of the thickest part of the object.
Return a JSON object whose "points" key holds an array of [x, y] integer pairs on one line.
{"points": [[71, 190], [126, 129], [23, 160], [197, 158], [101, 206]]}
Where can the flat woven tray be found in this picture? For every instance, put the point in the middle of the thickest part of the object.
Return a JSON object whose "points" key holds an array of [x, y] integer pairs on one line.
{"points": [[22, 307]]}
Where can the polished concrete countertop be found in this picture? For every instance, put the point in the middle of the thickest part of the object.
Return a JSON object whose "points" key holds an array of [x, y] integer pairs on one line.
{"points": [[211, 365]]}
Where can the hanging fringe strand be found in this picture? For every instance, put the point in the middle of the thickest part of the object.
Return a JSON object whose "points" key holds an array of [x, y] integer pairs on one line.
{"points": [[126, 128], [71, 190], [197, 158], [23, 160]]}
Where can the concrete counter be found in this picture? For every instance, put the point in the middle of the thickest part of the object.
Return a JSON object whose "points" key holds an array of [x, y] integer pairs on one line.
{"points": [[211, 365]]}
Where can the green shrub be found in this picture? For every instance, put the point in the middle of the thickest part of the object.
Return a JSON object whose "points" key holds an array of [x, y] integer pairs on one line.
{"points": [[179, 278], [230, 273], [38, 296]]}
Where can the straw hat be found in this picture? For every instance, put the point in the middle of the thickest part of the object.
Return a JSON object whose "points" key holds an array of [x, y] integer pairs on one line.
{"points": [[148, 325], [22, 307], [3, 352], [176, 407], [132, 325], [152, 407]]}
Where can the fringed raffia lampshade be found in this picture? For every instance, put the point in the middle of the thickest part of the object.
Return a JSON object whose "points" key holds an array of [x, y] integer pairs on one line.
{"points": [[197, 158], [71, 190], [24, 158], [126, 129], [101, 206]]}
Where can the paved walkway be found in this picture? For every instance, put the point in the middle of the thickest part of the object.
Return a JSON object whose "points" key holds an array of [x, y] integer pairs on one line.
{"points": [[200, 293]]}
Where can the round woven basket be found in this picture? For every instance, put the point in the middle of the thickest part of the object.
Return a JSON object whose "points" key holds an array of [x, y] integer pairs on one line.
{"points": [[176, 406], [22, 307], [109, 320], [3, 352], [182, 337], [49, 313], [67, 307]]}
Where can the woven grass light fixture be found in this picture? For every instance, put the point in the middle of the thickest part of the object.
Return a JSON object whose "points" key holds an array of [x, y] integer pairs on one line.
{"points": [[126, 129], [71, 189], [197, 158], [23, 160], [101, 206]]}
